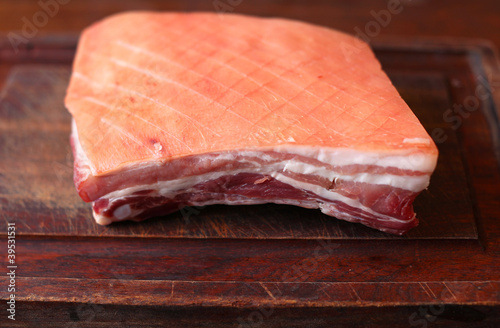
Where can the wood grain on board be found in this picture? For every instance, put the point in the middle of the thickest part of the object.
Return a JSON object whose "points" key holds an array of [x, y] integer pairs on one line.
{"points": [[250, 257], [37, 169]]}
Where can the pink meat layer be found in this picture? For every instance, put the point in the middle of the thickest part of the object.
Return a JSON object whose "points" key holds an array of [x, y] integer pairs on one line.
{"points": [[248, 188]]}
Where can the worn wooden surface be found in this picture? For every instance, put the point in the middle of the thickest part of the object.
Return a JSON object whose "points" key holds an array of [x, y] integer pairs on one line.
{"points": [[265, 256], [472, 19], [261, 265], [139, 276], [36, 152], [112, 316]]}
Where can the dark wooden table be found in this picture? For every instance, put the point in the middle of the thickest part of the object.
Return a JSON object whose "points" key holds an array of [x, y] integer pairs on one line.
{"points": [[418, 18], [267, 265]]}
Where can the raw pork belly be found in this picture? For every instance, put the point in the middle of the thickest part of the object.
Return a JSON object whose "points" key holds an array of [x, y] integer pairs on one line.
{"points": [[174, 109]]}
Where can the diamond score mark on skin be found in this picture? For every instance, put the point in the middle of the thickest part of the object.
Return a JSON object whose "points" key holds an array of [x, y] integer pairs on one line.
{"points": [[247, 75], [108, 106], [243, 54], [168, 80], [262, 67], [243, 97]]}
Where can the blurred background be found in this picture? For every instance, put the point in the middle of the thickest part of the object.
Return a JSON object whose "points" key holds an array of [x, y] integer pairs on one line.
{"points": [[375, 18]]}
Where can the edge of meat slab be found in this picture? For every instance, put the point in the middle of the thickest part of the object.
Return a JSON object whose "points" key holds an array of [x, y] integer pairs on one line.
{"points": [[175, 109]]}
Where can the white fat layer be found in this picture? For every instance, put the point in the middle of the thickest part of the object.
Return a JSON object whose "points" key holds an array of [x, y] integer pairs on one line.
{"points": [[122, 212], [411, 183], [172, 187], [412, 160], [80, 154], [417, 141], [168, 189], [404, 159]]}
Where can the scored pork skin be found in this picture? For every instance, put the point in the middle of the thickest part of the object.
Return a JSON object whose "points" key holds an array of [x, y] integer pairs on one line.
{"points": [[174, 109]]}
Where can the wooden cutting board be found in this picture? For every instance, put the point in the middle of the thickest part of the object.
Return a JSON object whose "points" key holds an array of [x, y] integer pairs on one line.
{"points": [[239, 258]]}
